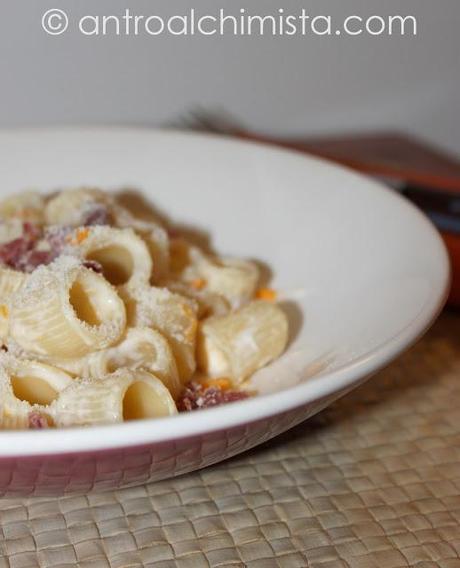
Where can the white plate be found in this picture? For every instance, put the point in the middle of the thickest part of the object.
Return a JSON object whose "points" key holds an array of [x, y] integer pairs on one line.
{"points": [[362, 271]]}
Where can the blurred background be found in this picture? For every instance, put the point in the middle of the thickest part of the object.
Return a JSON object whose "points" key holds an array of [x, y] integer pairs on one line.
{"points": [[289, 86]]}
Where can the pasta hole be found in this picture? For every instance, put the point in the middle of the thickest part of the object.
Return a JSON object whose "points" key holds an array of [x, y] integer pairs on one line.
{"points": [[117, 263], [113, 365], [141, 401], [80, 300], [33, 390]]}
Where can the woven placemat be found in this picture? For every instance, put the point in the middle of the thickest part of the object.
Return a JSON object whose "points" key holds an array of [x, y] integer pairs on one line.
{"points": [[373, 481]]}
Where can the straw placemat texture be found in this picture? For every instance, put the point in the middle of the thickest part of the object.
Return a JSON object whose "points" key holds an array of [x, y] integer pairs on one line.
{"points": [[373, 481]]}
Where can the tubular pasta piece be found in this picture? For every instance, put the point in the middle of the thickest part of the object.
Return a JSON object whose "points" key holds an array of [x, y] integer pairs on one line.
{"points": [[147, 349], [140, 348], [10, 282], [154, 235], [238, 344], [70, 206], [185, 260], [234, 279], [35, 382], [172, 315], [27, 206], [209, 303], [11, 229], [66, 310], [123, 255], [123, 395], [14, 413], [117, 313], [25, 387]]}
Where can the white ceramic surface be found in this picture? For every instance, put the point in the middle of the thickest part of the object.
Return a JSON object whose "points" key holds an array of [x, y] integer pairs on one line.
{"points": [[362, 272]]}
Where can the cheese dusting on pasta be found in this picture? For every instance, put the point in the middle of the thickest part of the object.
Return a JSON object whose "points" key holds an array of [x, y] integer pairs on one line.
{"points": [[107, 317]]}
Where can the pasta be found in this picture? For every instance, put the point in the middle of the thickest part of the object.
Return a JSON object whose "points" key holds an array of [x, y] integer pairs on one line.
{"points": [[154, 235], [106, 317], [208, 303], [140, 348], [123, 395], [66, 310], [14, 412], [72, 206], [11, 228], [172, 315], [26, 386], [10, 282], [77, 207], [122, 255], [238, 344], [26, 206], [233, 279]]}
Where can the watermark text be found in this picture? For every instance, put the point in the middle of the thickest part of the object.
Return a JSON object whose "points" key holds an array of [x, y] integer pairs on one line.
{"points": [[223, 23]]}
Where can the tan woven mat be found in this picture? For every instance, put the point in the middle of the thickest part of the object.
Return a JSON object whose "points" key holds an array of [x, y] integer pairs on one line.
{"points": [[372, 481]]}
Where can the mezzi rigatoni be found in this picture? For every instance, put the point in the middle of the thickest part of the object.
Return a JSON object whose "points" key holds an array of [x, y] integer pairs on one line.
{"points": [[107, 317]]}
